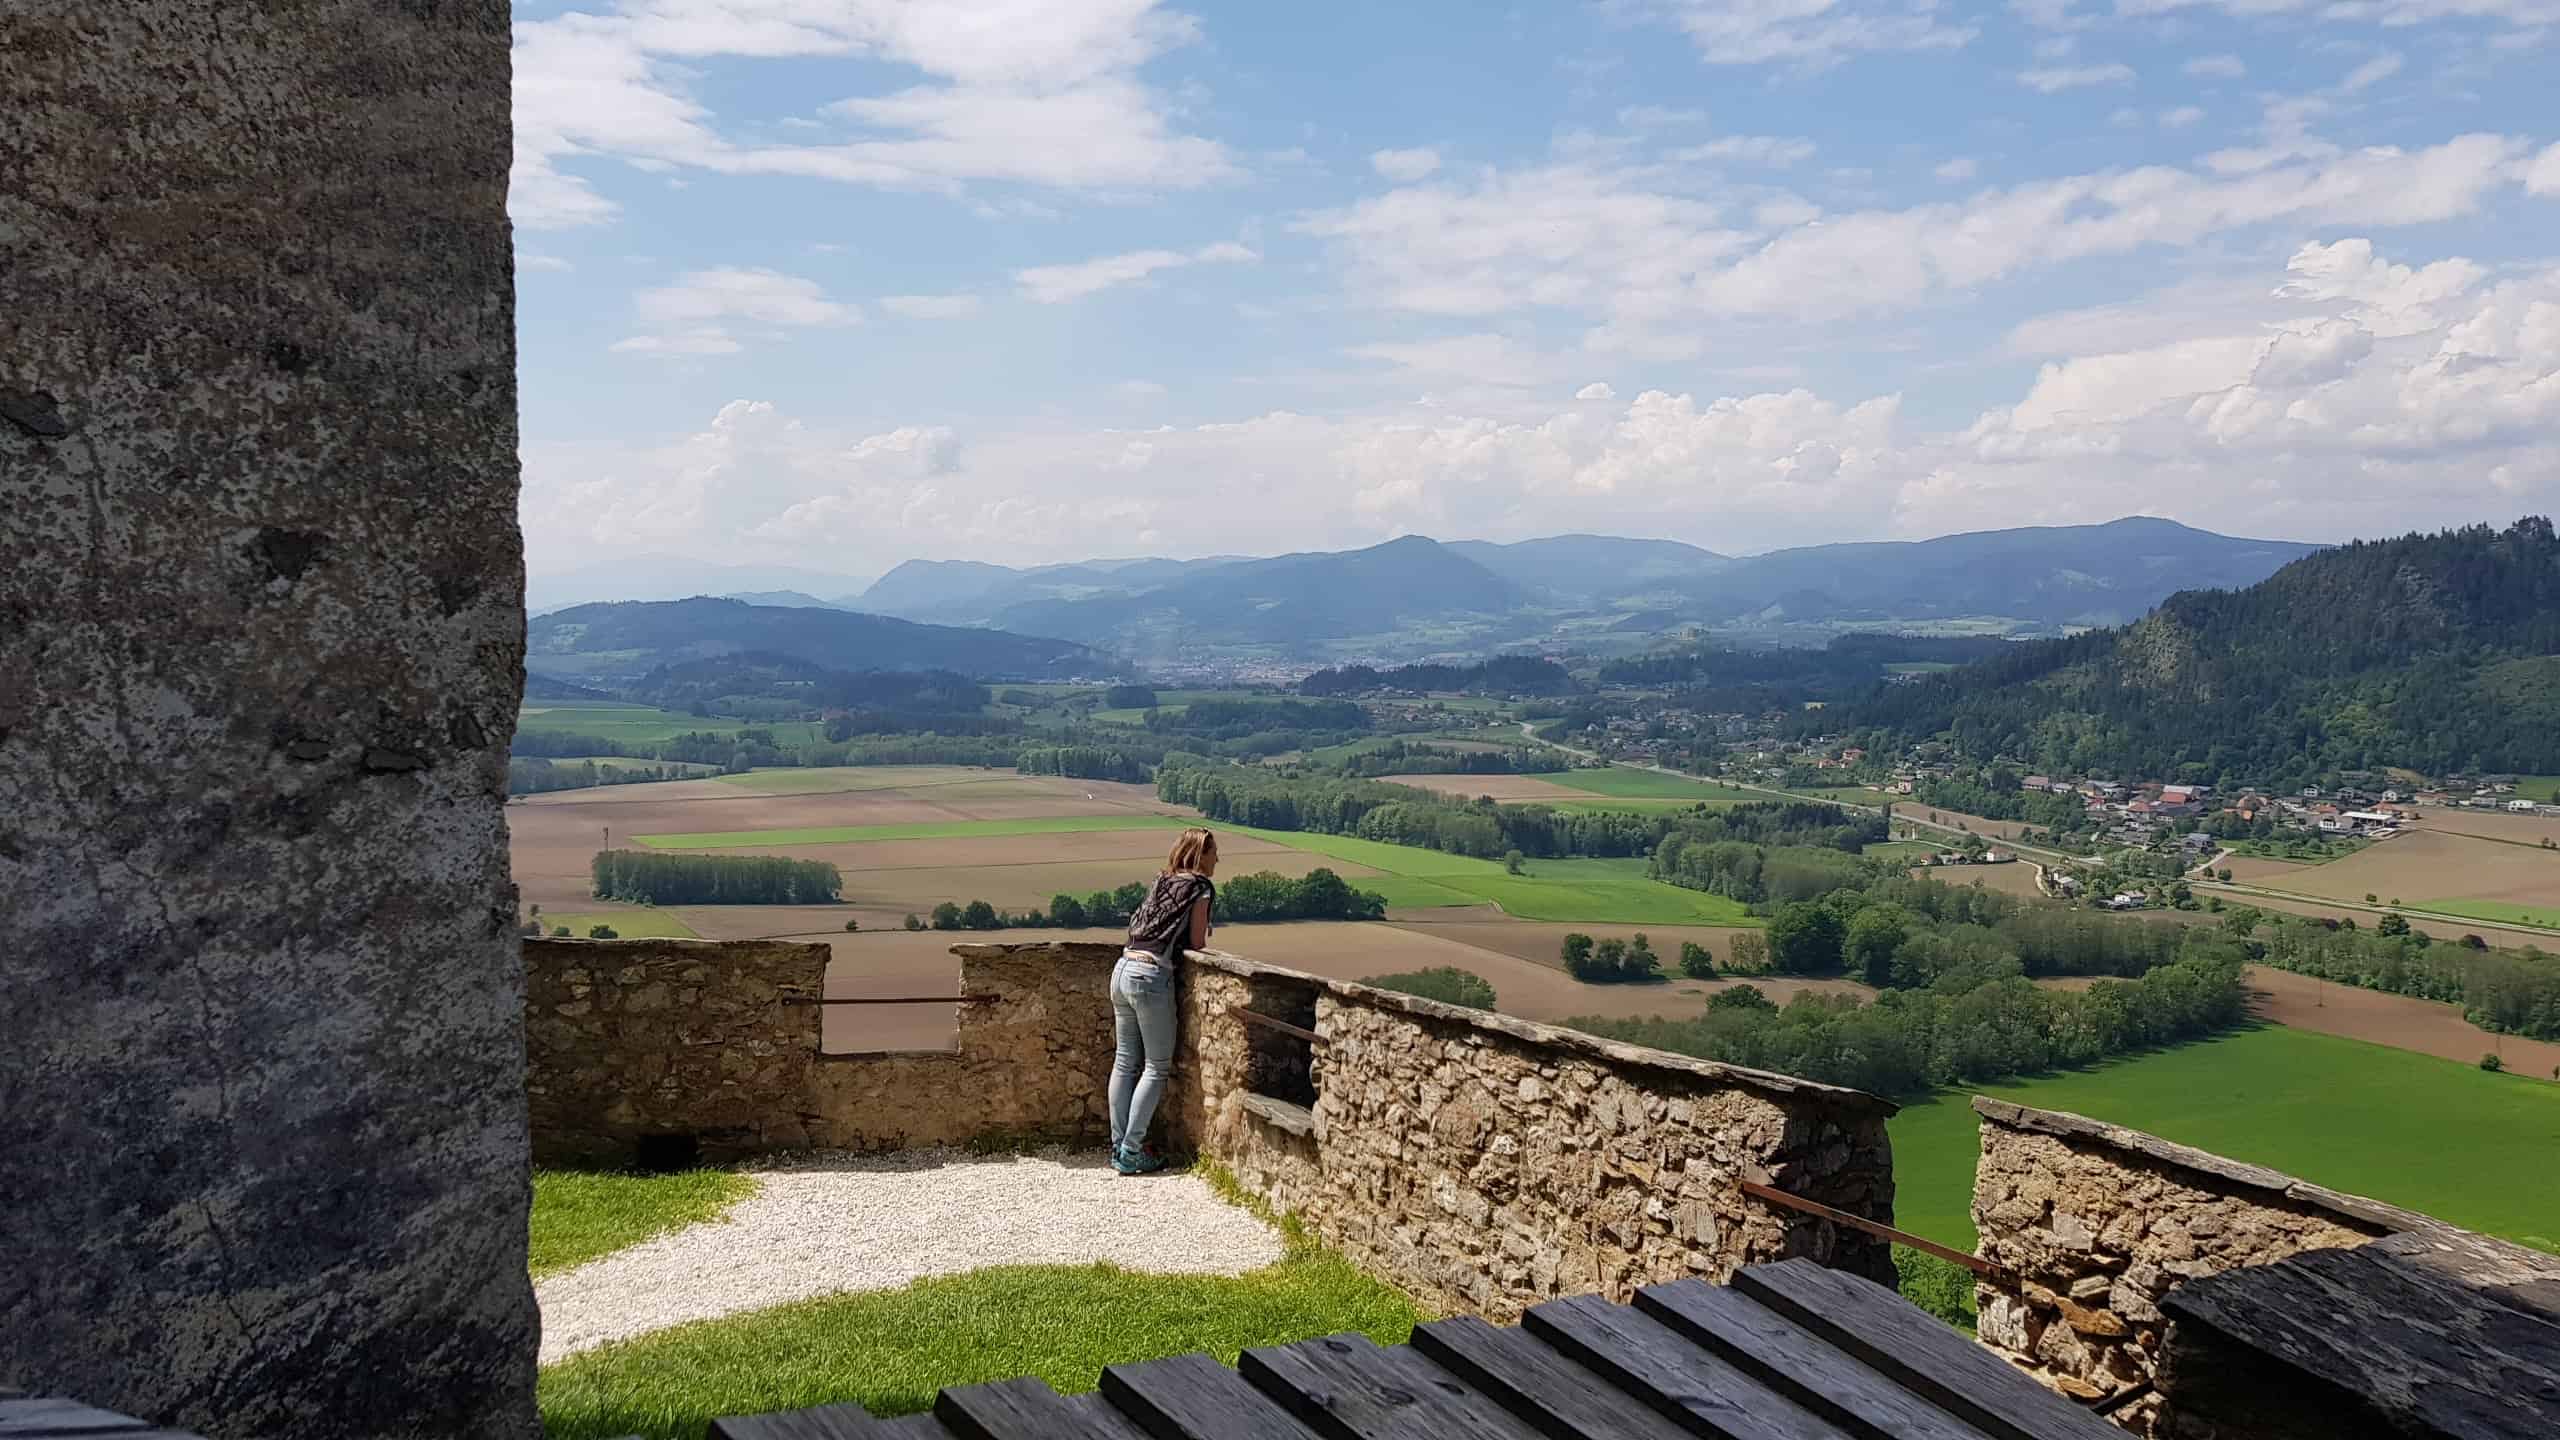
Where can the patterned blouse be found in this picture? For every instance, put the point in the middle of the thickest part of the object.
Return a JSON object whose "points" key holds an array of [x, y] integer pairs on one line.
{"points": [[1161, 926]]}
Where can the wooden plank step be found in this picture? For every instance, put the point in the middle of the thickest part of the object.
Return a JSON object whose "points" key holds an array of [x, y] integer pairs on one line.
{"points": [[1918, 1353], [1707, 1394], [1193, 1397], [1560, 1399], [1347, 1388], [827, 1422], [1798, 1364], [1027, 1409]]}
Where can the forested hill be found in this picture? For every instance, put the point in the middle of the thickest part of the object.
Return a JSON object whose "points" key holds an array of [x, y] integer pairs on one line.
{"points": [[613, 643], [2439, 652]]}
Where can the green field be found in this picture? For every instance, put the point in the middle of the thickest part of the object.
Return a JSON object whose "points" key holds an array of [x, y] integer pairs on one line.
{"points": [[2541, 789], [1906, 852], [1850, 794], [2493, 910], [1582, 892], [1622, 783], [1639, 805], [2301, 852], [643, 724], [641, 924], [2449, 1139], [929, 830]]}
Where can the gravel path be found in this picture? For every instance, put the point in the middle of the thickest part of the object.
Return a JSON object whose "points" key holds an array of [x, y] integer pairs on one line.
{"points": [[833, 1223]]}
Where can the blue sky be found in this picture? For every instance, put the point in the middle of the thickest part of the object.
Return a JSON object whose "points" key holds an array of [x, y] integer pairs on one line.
{"points": [[835, 283]]}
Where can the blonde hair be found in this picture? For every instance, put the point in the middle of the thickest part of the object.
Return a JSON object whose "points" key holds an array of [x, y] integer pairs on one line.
{"points": [[1194, 846]]}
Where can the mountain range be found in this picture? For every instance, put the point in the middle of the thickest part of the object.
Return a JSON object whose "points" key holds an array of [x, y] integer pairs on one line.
{"points": [[617, 644], [1417, 596], [2439, 652]]}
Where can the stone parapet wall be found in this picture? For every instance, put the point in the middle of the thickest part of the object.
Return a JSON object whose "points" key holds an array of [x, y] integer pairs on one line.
{"points": [[629, 1039], [1480, 1162], [2100, 1223], [1485, 1163]]}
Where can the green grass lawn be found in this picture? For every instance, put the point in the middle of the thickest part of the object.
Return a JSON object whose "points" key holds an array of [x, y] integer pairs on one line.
{"points": [[1639, 805], [2541, 789], [2302, 852], [2450, 1139], [1906, 852], [1585, 892], [889, 1351], [2489, 910], [581, 1214], [928, 830], [1621, 782], [645, 924]]}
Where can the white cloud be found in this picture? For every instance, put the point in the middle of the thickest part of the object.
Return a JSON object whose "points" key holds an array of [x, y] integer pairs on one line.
{"points": [[1777, 152], [541, 262], [2051, 80], [1483, 359], [2216, 67], [1655, 267], [2180, 118], [1404, 166], [1056, 284], [696, 314], [930, 307], [1962, 168], [2543, 178], [1809, 33], [2359, 395], [1041, 92], [2370, 73]]}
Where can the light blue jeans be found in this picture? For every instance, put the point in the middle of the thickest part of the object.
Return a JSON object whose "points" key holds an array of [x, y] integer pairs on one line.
{"points": [[1142, 1013]]}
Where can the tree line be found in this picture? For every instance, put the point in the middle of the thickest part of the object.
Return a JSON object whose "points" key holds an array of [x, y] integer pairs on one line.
{"points": [[1082, 762], [534, 777], [1501, 675], [1418, 757], [1320, 894], [654, 877], [2513, 992]]}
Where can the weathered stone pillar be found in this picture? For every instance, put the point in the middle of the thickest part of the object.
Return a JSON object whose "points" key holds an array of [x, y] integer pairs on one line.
{"points": [[262, 1112]]}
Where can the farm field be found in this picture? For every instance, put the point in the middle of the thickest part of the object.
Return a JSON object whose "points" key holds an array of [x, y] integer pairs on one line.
{"points": [[636, 922], [1571, 890], [2403, 1022], [2342, 1113], [2014, 878], [2423, 868], [2443, 927], [1509, 789], [2491, 825], [927, 830], [794, 780], [2495, 910], [1905, 808], [1621, 782], [2253, 870]]}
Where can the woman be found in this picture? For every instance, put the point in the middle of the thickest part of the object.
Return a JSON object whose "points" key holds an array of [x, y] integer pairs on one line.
{"points": [[1173, 918]]}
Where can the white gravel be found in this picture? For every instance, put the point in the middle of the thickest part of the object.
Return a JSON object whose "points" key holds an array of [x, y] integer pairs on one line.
{"points": [[828, 1224]]}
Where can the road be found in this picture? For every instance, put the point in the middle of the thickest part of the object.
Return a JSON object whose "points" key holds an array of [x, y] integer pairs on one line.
{"points": [[1529, 729]]}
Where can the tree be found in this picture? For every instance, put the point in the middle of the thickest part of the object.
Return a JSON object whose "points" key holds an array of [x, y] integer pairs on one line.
{"points": [[2394, 924], [1805, 938], [560, 932], [602, 932], [1514, 863], [851, 926], [1741, 997], [1608, 959], [1577, 954], [946, 916], [2369, 898], [1640, 963], [1873, 936], [1749, 953], [1696, 961], [2223, 874], [912, 922], [2493, 1062], [979, 915], [1067, 912], [1445, 983]]}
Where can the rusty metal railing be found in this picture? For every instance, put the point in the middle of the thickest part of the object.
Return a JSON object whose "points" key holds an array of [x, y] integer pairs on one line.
{"points": [[1255, 1017], [1990, 1270]]}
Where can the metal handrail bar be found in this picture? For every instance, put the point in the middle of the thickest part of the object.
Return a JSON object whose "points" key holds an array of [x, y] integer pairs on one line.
{"points": [[1974, 1263], [1255, 1017], [899, 1000]]}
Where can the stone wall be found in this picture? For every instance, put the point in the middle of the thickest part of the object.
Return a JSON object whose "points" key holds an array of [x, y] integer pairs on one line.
{"points": [[1485, 1164], [708, 1045], [262, 1125], [2100, 1222], [1480, 1162]]}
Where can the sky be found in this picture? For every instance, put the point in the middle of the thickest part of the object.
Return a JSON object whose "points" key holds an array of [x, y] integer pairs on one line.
{"points": [[832, 284]]}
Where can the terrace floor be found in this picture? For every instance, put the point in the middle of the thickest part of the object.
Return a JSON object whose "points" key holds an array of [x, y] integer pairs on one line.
{"points": [[836, 1224]]}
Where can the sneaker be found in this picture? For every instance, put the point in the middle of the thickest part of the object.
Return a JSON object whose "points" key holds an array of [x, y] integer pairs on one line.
{"points": [[1141, 1161]]}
